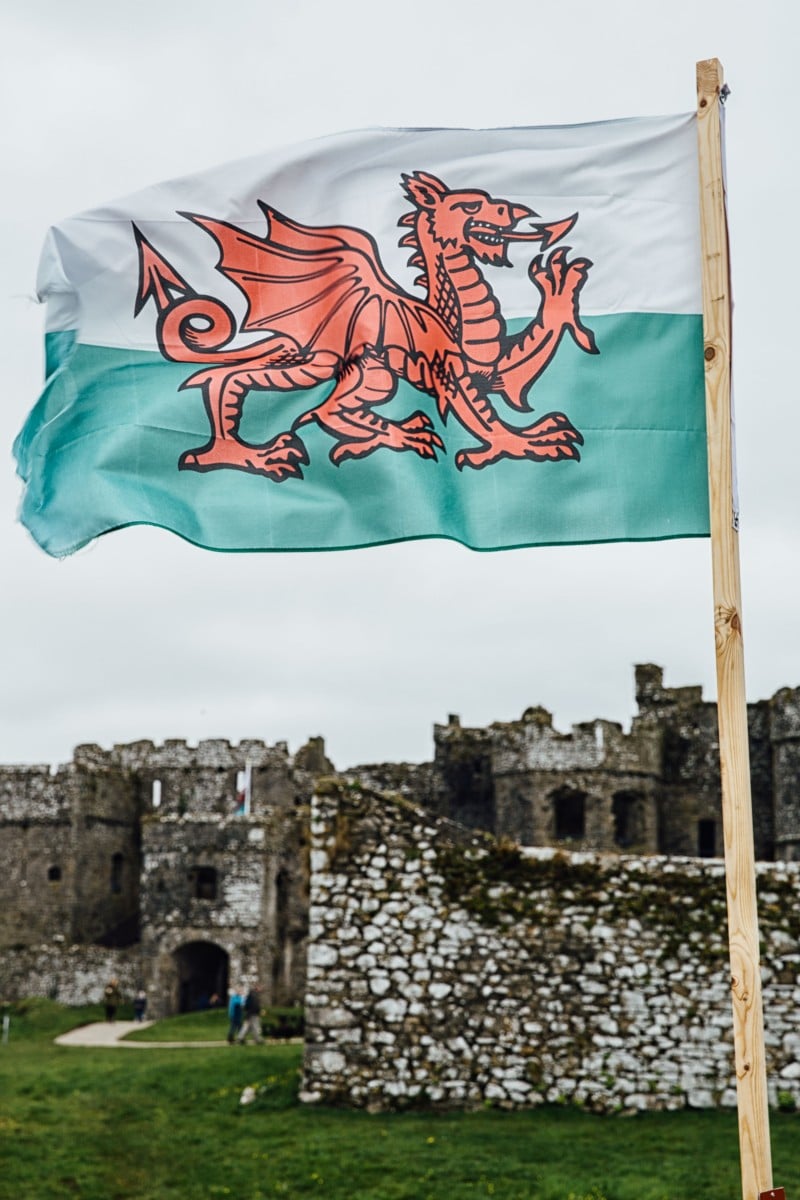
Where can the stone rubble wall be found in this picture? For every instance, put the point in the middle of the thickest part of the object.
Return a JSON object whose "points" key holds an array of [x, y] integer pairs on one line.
{"points": [[70, 974], [447, 968]]}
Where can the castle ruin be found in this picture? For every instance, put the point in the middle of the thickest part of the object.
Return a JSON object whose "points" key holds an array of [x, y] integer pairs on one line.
{"points": [[186, 868]]}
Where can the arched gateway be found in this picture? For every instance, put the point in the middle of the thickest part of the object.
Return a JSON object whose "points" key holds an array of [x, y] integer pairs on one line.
{"points": [[202, 975]]}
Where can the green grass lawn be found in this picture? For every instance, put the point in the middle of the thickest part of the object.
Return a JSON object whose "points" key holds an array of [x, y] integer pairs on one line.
{"points": [[118, 1124], [208, 1026]]}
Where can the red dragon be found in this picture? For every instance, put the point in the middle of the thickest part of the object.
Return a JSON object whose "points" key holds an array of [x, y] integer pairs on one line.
{"points": [[328, 310]]}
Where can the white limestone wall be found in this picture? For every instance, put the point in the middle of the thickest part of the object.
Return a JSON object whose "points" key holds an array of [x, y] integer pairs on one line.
{"points": [[447, 969]]}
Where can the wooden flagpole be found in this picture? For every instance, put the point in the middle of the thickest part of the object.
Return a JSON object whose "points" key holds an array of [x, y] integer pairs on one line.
{"points": [[748, 1028]]}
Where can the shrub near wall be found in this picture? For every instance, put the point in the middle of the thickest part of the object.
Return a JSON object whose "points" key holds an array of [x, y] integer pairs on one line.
{"points": [[450, 969]]}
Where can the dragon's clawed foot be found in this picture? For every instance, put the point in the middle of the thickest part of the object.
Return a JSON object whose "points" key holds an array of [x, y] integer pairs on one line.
{"points": [[416, 422], [560, 281], [414, 433], [280, 459], [552, 438]]}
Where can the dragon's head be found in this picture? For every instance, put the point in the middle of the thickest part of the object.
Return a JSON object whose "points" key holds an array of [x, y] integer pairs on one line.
{"points": [[475, 221]]}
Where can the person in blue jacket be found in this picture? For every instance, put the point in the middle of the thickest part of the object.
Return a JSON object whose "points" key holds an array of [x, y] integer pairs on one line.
{"points": [[235, 1014]]}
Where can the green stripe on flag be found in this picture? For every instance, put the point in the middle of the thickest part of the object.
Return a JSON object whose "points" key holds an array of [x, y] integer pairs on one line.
{"points": [[101, 451]]}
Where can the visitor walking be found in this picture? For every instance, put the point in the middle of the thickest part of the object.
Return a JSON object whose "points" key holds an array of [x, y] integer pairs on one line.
{"points": [[140, 1004], [252, 1016], [112, 998], [235, 1014]]}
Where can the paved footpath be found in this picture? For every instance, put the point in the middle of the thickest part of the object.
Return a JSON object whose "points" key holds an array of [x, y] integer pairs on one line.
{"points": [[108, 1034]]}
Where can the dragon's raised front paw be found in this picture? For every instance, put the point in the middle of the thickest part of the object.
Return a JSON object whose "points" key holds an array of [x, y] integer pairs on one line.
{"points": [[557, 276], [560, 282]]}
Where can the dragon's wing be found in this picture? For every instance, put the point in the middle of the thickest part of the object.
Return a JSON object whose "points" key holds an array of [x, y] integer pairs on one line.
{"points": [[324, 287]]}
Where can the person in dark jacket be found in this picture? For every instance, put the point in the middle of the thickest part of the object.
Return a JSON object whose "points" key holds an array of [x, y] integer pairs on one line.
{"points": [[252, 1016], [112, 998]]}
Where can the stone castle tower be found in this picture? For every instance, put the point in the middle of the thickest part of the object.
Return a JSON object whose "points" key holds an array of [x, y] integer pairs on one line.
{"points": [[190, 863], [653, 790]]}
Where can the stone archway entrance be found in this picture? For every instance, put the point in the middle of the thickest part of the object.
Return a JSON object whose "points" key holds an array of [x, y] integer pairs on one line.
{"points": [[202, 974]]}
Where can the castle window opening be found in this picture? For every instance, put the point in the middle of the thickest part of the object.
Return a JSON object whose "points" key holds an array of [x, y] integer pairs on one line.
{"points": [[203, 882], [244, 790], [569, 814], [707, 838], [117, 863], [155, 796], [54, 874], [626, 811]]}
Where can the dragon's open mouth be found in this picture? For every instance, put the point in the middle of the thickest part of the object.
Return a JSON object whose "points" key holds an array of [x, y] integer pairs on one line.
{"points": [[482, 231], [494, 235]]}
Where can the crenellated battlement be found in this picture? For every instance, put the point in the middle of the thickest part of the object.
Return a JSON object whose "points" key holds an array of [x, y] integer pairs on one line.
{"points": [[218, 753]]}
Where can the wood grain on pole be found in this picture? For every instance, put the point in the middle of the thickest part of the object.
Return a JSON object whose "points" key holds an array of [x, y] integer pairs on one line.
{"points": [[748, 1028]]}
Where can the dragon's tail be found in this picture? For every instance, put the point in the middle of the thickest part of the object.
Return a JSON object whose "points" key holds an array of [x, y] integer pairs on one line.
{"points": [[275, 368], [197, 329]]}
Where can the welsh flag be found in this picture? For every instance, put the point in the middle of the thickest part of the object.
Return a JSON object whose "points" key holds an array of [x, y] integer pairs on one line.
{"points": [[493, 336]]}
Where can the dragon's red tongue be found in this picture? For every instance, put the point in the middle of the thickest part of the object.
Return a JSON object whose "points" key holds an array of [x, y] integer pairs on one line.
{"points": [[545, 233]]}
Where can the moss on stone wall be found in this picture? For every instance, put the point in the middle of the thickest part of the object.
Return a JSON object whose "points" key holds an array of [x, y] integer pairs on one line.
{"points": [[500, 884]]}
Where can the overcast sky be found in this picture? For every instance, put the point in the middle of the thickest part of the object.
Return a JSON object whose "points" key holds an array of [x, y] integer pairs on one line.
{"points": [[141, 635]]}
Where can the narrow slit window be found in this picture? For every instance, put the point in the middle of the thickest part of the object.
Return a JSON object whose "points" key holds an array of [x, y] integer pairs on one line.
{"points": [[117, 864], [707, 838]]}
